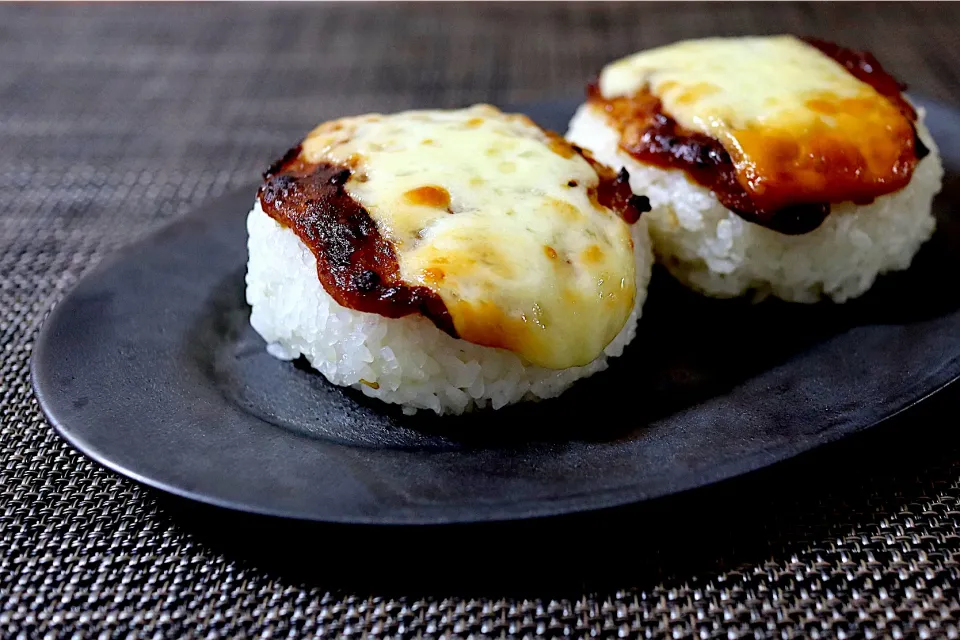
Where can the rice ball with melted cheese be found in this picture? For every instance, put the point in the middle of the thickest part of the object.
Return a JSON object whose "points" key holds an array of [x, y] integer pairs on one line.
{"points": [[774, 165], [446, 260]]}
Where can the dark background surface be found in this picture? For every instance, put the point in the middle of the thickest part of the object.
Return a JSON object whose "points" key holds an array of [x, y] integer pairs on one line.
{"points": [[118, 118]]}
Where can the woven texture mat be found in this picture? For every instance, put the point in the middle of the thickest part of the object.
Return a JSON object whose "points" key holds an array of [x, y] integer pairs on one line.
{"points": [[117, 118]]}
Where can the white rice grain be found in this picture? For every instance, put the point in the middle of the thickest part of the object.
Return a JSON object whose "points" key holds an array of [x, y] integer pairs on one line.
{"points": [[406, 361], [712, 250]]}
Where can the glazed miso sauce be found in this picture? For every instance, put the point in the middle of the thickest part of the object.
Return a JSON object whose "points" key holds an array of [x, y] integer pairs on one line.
{"points": [[790, 202], [356, 265]]}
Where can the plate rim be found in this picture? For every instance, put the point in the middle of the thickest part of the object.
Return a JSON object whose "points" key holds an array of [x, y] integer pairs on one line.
{"points": [[581, 502]]}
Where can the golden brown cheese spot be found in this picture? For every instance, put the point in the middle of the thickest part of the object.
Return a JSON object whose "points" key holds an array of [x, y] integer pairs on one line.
{"points": [[488, 325], [561, 147], [863, 66], [565, 209], [550, 251], [592, 254], [476, 259], [473, 123], [870, 153], [823, 105], [696, 92], [524, 120], [433, 275], [429, 196]]}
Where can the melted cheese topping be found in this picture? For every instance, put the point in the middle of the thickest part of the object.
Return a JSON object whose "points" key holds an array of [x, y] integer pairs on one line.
{"points": [[798, 126], [496, 217]]}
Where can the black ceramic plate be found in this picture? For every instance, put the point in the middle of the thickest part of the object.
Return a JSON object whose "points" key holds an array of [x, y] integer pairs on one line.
{"points": [[150, 367]]}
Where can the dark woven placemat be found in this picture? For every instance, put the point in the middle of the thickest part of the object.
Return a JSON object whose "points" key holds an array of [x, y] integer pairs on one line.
{"points": [[115, 119]]}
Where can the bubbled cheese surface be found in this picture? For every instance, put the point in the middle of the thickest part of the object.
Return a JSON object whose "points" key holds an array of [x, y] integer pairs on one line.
{"points": [[497, 218], [798, 126]]}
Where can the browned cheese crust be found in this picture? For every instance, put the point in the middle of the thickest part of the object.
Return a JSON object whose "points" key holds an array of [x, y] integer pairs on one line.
{"points": [[653, 137]]}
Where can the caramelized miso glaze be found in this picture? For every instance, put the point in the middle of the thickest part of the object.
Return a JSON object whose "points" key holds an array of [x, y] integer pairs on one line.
{"points": [[355, 264], [854, 140], [654, 138]]}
